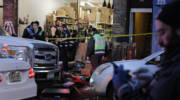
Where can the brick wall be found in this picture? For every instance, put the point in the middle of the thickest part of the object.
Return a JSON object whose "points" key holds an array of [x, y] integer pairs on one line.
{"points": [[10, 12]]}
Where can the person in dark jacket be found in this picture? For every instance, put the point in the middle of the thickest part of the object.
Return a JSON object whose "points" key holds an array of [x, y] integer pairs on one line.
{"points": [[56, 30], [58, 26], [65, 32], [34, 31], [64, 46], [165, 84], [96, 49]]}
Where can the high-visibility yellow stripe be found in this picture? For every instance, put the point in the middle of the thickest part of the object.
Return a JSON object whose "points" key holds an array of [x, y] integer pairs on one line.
{"points": [[111, 36]]}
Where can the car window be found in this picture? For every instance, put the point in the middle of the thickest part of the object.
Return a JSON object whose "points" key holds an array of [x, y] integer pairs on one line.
{"points": [[155, 61]]}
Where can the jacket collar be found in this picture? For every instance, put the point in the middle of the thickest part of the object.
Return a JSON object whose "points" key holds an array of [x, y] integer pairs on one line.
{"points": [[170, 58]]}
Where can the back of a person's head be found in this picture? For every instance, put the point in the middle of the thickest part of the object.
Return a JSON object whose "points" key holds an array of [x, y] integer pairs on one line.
{"points": [[90, 26], [64, 25], [170, 14], [94, 30]]}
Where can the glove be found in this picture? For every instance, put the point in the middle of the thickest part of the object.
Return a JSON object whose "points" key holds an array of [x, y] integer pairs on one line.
{"points": [[140, 78], [127, 90], [120, 76]]}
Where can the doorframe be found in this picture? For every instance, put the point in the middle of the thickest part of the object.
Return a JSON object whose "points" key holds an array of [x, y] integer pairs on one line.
{"points": [[131, 19]]}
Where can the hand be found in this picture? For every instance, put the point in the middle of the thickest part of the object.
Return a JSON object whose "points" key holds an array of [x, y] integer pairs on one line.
{"points": [[143, 74], [120, 76], [87, 58]]}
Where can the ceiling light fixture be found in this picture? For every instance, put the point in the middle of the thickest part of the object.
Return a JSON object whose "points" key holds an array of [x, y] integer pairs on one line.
{"points": [[104, 3]]}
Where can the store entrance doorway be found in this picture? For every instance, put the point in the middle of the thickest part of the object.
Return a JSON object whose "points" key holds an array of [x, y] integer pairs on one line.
{"points": [[141, 23]]}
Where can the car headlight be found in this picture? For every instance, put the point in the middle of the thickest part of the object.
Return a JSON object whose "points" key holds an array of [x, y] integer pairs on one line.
{"points": [[19, 53], [91, 81]]}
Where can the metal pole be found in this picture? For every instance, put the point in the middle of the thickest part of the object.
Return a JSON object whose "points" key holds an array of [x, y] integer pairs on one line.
{"points": [[77, 9]]}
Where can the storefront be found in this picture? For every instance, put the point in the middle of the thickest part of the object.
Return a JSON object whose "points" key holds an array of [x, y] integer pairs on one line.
{"points": [[140, 22], [88, 12]]}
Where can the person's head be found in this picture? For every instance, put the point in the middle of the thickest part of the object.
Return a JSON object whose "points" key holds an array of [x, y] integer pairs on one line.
{"points": [[58, 23], [35, 25], [168, 26], [76, 21], [80, 25], [90, 27], [94, 31], [64, 26], [61, 29]]}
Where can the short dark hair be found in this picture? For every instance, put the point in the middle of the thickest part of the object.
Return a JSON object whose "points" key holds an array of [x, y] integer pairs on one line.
{"points": [[32, 23], [94, 30], [90, 26], [64, 26], [35, 22]]}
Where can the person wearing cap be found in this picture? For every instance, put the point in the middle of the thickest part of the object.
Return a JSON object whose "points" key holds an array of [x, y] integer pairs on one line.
{"points": [[64, 32], [96, 49], [34, 31], [89, 31], [64, 46], [165, 85]]}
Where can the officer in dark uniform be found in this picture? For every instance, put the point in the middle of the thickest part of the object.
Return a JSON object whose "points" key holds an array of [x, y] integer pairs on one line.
{"points": [[64, 46], [96, 49]]}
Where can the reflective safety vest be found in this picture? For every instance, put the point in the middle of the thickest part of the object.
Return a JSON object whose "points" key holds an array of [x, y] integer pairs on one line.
{"points": [[99, 44]]}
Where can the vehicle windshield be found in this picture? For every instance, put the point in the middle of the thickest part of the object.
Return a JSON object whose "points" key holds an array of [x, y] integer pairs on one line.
{"points": [[153, 55], [3, 32]]}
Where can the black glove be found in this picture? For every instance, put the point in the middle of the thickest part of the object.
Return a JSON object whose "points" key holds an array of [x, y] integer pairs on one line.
{"points": [[120, 76]]}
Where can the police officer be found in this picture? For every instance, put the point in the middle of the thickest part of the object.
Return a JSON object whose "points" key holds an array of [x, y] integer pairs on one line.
{"points": [[64, 46], [96, 49]]}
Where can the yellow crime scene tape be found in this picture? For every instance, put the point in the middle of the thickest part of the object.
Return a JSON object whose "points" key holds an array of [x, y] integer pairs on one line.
{"points": [[111, 36]]}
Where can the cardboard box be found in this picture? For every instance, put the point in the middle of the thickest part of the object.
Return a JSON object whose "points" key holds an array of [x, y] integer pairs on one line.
{"points": [[69, 11], [60, 12], [81, 52], [105, 17], [66, 11]]}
